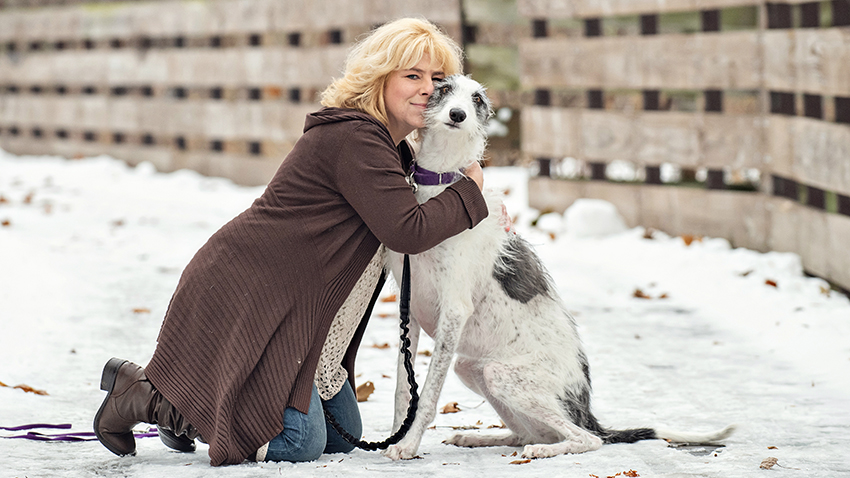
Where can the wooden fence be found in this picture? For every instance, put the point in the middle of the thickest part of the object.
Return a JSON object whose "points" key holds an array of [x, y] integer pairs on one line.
{"points": [[747, 101], [220, 86]]}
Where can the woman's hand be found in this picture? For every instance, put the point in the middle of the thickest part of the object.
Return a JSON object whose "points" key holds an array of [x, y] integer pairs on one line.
{"points": [[475, 173]]}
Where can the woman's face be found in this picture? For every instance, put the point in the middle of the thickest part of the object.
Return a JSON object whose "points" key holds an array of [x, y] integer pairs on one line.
{"points": [[406, 95]]}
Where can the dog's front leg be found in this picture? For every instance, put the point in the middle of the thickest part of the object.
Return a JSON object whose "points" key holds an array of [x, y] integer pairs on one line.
{"points": [[402, 388], [452, 317]]}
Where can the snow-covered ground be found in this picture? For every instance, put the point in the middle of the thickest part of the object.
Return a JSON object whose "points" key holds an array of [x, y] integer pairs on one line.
{"points": [[91, 250]]}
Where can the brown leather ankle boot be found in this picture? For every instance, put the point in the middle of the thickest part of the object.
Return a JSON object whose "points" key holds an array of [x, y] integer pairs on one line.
{"points": [[132, 399]]}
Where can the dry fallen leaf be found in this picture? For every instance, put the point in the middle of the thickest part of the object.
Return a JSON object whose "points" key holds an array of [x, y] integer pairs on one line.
{"points": [[520, 462], [690, 238], [768, 463], [771, 283], [364, 390], [450, 408], [26, 388], [389, 298]]}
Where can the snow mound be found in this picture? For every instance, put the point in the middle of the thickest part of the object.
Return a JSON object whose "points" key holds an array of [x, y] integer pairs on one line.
{"points": [[593, 218]]}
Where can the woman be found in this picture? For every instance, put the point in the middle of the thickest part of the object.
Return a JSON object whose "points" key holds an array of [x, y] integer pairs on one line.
{"points": [[262, 331]]}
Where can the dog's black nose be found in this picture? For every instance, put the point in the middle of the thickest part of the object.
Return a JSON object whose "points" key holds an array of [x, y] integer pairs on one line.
{"points": [[457, 115]]}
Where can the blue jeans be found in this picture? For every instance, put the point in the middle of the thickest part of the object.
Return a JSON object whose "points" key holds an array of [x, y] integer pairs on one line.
{"points": [[306, 437]]}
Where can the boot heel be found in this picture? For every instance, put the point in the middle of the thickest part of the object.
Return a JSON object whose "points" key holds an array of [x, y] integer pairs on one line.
{"points": [[110, 372]]}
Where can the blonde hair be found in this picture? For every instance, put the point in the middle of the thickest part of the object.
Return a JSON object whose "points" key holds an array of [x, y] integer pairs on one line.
{"points": [[398, 45]]}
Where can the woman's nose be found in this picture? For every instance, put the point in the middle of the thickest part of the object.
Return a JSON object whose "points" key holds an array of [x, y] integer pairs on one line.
{"points": [[428, 88]]}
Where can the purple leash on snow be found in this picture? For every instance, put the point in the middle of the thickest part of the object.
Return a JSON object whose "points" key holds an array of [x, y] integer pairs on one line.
{"points": [[73, 436]]}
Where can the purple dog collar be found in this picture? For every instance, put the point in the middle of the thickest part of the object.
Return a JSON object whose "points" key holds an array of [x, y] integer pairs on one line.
{"points": [[425, 177]]}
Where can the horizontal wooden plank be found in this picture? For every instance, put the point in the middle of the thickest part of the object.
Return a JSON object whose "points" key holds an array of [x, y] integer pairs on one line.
{"points": [[645, 137], [809, 151], [808, 60], [277, 66], [750, 220], [608, 8], [278, 121], [154, 19], [697, 61], [811, 61]]}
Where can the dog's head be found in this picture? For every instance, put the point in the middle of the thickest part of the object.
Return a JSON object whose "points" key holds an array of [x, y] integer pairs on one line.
{"points": [[458, 103]]}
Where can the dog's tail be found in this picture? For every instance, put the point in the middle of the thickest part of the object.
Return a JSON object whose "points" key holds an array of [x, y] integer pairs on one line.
{"points": [[695, 438], [637, 434]]}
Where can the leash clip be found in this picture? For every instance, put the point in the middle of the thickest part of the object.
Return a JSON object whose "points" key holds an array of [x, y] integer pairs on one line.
{"points": [[411, 182]]}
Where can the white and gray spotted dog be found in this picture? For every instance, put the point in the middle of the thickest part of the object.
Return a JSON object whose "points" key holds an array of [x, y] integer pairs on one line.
{"points": [[485, 296]]}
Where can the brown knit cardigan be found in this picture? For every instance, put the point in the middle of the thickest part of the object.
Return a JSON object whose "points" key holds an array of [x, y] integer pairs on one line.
{"points": [[244, 330]]}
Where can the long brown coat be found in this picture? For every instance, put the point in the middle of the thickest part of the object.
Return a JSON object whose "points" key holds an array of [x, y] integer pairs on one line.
{"points": [[246, 325]]}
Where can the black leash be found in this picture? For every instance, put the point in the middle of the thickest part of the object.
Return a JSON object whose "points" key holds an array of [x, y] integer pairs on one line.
{"points": [[404, 312]]}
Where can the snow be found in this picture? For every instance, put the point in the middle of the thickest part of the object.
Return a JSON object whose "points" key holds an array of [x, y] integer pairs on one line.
{"points": [[92, 250]]}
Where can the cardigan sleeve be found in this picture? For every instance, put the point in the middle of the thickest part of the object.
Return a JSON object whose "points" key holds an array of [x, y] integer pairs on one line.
{"points": [[370, 176]]}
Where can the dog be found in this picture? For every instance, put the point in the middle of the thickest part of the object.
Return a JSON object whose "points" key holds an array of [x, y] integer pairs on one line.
{"points": [[486, 296]]}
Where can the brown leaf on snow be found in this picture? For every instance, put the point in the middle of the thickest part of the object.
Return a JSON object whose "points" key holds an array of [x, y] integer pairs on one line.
{"points": [[520, 462], [768, 463], [26, 388], [389, 298], [690, 238], [771, 283], [450, 408], [364, 390]]}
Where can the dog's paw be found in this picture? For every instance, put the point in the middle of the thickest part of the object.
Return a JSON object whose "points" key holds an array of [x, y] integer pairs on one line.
{"points": [[538, 451], [579, 444], [399, 452], [463, 439]]}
